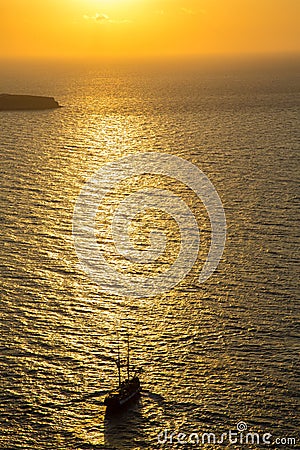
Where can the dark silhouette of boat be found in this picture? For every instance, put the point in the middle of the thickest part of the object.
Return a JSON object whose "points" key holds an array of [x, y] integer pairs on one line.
{"points": [[127, 391], [10, 102]]}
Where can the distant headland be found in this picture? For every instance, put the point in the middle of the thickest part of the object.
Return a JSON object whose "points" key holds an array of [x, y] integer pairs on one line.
{"points": [[10, 102]]}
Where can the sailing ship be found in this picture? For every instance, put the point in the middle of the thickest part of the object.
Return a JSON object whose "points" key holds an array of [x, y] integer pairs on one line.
{"points": [[127, 390]]}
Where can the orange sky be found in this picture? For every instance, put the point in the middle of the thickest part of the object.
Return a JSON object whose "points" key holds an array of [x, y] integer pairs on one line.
{"points": [[129, 28]]}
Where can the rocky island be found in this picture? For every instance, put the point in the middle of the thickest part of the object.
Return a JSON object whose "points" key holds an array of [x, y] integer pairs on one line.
{"points": [[10, 102]]}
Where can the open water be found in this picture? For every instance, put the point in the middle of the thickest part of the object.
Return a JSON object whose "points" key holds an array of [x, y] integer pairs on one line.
{"points": [[213, 354]]}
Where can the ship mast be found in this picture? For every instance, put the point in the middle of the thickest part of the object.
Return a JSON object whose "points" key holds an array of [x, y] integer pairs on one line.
{"points": [[128, 357], [119, 364]]}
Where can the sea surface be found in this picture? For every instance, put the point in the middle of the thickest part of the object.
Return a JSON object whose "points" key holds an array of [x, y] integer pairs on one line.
{"points": [[213, 354]]}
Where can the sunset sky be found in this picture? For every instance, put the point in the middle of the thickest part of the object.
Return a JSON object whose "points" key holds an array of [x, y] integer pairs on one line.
{"points": [[130, 28]]}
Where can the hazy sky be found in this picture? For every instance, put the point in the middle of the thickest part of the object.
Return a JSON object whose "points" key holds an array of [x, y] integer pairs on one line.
{"points": [[113, 28]]}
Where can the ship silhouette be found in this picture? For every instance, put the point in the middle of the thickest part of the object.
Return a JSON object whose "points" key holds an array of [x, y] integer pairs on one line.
{"points": [[127, 390]]}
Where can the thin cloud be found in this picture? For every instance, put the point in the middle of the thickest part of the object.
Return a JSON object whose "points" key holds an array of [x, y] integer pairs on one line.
{"points": [[97, 17], [104, 18], [101, 17], [190, 12], [120, 21]]}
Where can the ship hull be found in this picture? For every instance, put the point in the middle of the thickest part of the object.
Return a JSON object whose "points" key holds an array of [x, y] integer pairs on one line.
{"points": [[115, 405]]}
